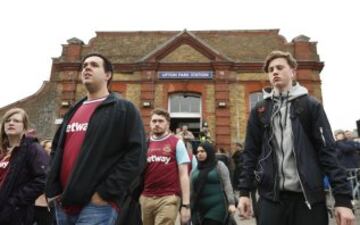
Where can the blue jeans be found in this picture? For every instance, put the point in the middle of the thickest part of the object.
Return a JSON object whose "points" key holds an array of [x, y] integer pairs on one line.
{"points": [[91, 214]]}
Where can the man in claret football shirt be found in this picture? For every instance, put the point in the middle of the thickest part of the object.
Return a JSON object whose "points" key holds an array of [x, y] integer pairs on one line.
{"points": [[166, 179], [98, 151]]}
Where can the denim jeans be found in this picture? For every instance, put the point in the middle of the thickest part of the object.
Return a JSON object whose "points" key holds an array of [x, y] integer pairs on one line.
{"points": [[91, 214]]}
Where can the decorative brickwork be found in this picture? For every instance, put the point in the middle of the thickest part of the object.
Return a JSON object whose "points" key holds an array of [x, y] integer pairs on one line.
{"points": [[185, 53], [235, 58], [42, 107], [237, 110], [132, 94]]}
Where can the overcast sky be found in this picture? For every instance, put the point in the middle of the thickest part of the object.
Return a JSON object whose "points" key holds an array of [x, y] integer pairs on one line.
{"points": [[32, 33]]}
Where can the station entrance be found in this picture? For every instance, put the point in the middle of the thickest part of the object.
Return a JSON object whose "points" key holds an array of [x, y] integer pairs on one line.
{"points": [[185, 109]]}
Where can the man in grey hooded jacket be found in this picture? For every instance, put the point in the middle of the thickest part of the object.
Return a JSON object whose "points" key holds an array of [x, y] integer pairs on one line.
{"points": [[289, 158]]}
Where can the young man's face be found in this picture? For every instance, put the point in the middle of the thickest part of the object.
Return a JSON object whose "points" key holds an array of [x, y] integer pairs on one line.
{"points": [[158, 125], [93, 74], [280, 74]]}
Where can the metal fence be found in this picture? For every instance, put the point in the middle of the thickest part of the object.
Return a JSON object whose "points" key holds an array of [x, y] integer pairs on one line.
{"points": [[353, 176]]}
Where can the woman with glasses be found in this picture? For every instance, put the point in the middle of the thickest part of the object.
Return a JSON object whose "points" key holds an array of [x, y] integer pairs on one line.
{"points": [[23, 165]]}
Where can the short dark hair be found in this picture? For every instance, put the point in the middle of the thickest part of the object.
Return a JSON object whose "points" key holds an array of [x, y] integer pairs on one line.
{"points": [[161, 112], [279, 54], [106, 64]]}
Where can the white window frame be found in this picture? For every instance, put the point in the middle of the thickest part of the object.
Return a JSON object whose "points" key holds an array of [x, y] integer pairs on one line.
{"points": [[185, 114], [259, 95]]}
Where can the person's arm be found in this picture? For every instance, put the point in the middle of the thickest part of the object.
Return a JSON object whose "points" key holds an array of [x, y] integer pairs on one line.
{"points": [[225, 180], [325, 144], [131, 165], [250, 157], [182, 159], [251, 153], [324, 140], [185, 192], [347, 147]]}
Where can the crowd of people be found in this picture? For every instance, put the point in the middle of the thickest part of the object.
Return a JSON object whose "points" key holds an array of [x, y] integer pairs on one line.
{"points": [[101, 167]]}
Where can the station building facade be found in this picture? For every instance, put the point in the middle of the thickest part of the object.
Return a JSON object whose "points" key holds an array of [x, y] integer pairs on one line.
{"points": [[204, 78]]}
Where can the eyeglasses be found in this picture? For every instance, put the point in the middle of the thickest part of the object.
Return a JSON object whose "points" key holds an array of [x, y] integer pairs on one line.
{"points": [[13, 120]]}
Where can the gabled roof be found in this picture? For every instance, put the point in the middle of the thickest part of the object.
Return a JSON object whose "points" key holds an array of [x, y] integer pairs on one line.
{"points": [[184, 37], [239, 49], [227, 45]]}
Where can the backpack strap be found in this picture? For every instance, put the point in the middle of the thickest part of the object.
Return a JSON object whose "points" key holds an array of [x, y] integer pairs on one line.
{"points": [[301, 107]]}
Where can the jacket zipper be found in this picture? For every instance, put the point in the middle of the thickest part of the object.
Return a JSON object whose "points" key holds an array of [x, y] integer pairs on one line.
{"points": [[282, 148], [301, 184], [322, 136], [275, 188], [281, 143]]}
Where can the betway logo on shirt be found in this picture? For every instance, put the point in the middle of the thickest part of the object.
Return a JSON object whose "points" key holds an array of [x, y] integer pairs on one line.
{"points": [[155, 158], [76, 127]]}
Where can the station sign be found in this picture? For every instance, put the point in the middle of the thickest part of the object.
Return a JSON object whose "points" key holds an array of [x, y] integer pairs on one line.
{"points": [[184, 75]]}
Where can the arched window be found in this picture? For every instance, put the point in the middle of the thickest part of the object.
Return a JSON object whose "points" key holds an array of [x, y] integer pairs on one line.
{"points": [[254, 98], [185, 105]]}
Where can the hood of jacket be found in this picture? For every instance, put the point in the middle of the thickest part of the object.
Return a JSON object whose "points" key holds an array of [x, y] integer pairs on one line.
{"points": [[296, 91]]}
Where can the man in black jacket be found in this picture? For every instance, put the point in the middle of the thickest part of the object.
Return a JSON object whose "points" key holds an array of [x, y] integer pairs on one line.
{"points": [[289, 148], [348, 150], [98, 151]]}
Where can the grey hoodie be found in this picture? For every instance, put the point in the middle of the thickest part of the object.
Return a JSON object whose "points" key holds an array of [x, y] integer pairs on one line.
{"points": [[282, 131]]}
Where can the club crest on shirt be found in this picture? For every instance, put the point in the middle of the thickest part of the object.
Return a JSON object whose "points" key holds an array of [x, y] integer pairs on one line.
{"points": [[167, 149]]}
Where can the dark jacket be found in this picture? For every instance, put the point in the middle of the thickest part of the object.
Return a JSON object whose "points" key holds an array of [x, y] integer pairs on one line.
{"points": [[112, 155], [348, 152], [238, 159], [24, 182], [314, 151]]}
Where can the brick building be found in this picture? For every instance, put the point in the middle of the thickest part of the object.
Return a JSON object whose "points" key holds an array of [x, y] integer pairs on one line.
{"points": [[201, 77]]}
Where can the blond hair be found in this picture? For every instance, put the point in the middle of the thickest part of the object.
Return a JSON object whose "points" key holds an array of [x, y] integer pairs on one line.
{"points": [[4, 140]]}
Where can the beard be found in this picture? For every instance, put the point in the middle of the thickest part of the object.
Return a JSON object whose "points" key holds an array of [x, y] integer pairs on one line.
{"points": [[159, 132]]}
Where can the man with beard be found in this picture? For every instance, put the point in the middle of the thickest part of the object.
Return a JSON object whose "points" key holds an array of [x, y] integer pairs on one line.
{"points": [[166, 180]]}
